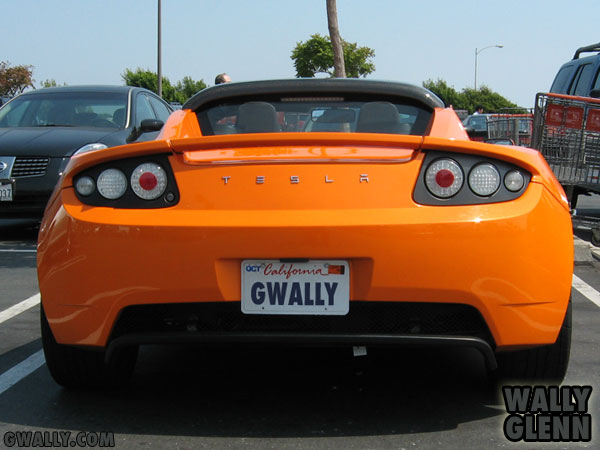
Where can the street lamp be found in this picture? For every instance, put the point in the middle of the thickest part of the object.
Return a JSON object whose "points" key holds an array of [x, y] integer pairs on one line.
{"points": [[158, 63], [477, 52]]}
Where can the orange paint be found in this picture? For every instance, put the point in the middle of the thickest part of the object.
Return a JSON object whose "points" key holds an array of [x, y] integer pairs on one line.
{"points": [[353, 201]]}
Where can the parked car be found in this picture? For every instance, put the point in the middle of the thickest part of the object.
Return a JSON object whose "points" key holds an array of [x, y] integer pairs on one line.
{"points": [[476, 126], [41, 129], [580, 76], [394, 230]]}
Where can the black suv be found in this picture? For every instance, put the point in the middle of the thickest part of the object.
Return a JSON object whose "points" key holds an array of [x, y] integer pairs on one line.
{"points": [[580, 76]]}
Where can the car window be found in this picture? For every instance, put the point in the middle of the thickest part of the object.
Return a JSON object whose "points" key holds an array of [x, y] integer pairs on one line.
{"points": [[597, 82], [63, 108], [12, 114], [582, 81], [559, 86], [161, 110], [478, 122], [305, 115], [143, 110]]}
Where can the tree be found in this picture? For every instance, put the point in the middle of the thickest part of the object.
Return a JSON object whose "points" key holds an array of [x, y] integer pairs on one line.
{"points": [[149, 80], [51, 82], [339, 68], [469, 99], [181, 92], [187, 87], [14, 80], [316, 56]]}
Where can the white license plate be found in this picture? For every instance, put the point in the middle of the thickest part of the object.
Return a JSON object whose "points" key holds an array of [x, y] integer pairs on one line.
{"points": [[6, 192], [313, 287]]}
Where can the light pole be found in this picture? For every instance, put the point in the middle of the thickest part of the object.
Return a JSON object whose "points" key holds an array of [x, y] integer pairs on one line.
{"points": [[159, 70], [477, 52]]}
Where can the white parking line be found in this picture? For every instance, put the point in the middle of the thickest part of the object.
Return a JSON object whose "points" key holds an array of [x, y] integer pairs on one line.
{"points": [[12, 376], [14, 250], [586, 290], [19, 307]]}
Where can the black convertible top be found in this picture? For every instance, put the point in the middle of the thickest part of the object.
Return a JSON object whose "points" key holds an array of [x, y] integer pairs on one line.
{"points": [[226, 92]]}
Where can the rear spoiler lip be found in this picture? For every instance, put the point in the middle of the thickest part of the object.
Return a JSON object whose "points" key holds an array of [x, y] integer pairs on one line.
{"points": [[288, 140]]}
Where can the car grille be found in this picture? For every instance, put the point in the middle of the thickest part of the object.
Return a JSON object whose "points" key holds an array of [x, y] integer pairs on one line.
{"points": [[29, 167], [364, 318]]}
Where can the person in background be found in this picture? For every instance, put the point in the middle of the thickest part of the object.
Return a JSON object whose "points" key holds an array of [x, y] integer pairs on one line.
{"points": [[478, 109], [222, 78]]}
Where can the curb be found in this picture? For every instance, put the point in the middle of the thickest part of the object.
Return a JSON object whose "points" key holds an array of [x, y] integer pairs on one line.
{"points": [[585, 252]]}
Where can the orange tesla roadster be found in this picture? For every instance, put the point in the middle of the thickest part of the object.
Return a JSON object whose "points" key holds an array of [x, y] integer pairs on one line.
{"points": [[332, 212]]}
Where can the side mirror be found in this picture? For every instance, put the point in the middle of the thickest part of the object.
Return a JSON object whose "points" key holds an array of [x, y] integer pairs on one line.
{"points": [[595, 93], [149, 125]]}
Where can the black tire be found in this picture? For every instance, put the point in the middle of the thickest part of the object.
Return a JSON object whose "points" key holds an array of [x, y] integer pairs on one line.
{"points": [[543, 364], [79, 368]]}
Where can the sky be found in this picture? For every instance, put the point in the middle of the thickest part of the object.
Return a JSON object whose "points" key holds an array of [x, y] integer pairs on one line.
{"points": [[94, 41]]}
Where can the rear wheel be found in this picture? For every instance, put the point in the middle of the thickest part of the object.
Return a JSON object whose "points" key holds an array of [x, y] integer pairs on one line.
{"points": [[75, 367], [548, 363]]}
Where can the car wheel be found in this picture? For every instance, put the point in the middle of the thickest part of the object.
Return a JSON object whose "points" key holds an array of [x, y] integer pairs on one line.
{"points": [[75, 367], [545, 364]]}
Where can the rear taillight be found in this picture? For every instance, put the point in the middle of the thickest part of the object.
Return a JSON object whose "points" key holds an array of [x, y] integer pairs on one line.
{"points": [[148, 181], [85, 186], [444, 178], [484, 179], [135, 183], [112, 184], [514, 180], [452, 178]]}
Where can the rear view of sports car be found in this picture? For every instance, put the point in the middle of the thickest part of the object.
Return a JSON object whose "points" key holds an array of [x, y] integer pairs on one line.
{"points": [[307, 212]]}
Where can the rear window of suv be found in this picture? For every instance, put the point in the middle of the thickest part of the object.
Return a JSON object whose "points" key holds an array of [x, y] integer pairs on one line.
{"points": [[582, 81], [562, 78]]}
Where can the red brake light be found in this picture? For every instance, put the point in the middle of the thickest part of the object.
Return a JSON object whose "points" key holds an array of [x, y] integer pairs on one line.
{"points": [[444, 177]]}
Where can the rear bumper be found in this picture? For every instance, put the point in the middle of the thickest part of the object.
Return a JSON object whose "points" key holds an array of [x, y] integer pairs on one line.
{"points": [[309, 339], [514, 266]]}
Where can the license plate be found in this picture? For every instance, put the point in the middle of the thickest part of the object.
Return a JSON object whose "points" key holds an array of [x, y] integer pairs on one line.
{"points": [[313, 287], [6, 192]]}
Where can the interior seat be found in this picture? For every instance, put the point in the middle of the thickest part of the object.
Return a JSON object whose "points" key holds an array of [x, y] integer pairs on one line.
{"points": [[119, 117], [257, 117], [381, 117]]}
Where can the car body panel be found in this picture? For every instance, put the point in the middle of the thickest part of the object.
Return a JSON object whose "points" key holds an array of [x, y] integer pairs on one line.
{"points": [[290, 195]]}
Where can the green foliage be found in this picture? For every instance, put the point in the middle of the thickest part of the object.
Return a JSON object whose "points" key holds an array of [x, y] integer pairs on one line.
{"points": [[14, 80], [187, 87], [316, 56], [181, 92], [469, 98], [51, 82]]}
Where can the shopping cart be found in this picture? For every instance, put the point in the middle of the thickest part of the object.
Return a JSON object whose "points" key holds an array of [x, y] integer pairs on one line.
{"points": [[566, 129], [516, 127]]}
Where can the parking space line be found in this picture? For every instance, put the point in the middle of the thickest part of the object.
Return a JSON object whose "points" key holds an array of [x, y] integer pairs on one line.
{"points": [[19, 307], [586, 290], [15, 374], [14, 250]]}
